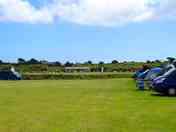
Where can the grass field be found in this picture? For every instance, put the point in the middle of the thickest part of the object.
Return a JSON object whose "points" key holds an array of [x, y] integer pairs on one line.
{"points": [[83, 106]]}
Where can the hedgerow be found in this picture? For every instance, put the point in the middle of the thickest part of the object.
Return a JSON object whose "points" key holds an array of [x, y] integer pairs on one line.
{"points": [[72, 76]]}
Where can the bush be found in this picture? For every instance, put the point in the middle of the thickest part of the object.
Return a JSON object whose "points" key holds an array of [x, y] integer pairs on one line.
{"points": [[75, 76]]}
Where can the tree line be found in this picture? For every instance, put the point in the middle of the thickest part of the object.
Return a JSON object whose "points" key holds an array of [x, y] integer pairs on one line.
{"points": [[68, 63], [34, 65]]}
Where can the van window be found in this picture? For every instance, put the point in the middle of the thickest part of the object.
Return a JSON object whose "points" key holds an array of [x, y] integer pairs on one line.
{"points": [[173, 74], [171, 71]]}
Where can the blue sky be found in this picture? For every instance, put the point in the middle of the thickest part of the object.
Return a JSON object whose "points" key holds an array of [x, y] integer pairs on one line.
{"points": [[70, 41]]}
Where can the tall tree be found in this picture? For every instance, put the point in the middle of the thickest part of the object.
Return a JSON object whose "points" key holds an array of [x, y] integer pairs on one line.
{"points": [[101, 63], [115, 62], [68, 64], [21, 61], [57, 63], [33, 61], [88, 62]]}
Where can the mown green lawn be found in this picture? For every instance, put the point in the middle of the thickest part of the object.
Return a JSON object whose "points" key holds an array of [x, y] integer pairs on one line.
{"points": [[83, 106]]}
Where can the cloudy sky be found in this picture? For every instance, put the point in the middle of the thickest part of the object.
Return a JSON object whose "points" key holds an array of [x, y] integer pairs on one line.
{"points": [[80, 30]]}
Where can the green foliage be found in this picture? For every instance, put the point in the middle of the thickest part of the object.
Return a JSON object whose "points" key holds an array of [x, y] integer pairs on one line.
{"points": [[33, 61], [45, 76], [115, 62], [101, 63], [44, 66], [5, 67], [21, 61], [68, 64]]}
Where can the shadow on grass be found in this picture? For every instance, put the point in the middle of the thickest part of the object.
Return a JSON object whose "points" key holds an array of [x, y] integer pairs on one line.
{"points": [[142, 90], [162, 95]]}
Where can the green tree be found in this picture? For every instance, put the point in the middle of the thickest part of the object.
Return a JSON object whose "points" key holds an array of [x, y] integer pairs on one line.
{"points": [[57, 63], [101, 63], [33, 61], [68, 64], [115, 62], [21, 61], [88, 62]]}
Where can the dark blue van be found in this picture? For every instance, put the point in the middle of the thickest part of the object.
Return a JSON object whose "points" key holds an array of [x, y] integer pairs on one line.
{"points": [[166, 83], [9, 75]]}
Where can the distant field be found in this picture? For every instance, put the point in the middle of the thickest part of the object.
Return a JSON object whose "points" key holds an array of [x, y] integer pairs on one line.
{"points": [[83, 106]]}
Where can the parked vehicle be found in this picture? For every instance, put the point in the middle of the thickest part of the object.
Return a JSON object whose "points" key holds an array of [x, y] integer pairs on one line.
{"points": [[140, 79], [148, 76], [166, 84], [152, 74], [136, 74], [139, 73], [10, 75], [161, 79]]}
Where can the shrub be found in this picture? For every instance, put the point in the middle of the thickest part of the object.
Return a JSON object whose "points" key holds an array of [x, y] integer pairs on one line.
{"points": [[75, 76]]}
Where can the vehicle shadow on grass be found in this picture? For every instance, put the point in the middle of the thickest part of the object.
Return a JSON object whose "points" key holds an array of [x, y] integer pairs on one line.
{"points": [[162, 95], [142, 90], [155, 94]]}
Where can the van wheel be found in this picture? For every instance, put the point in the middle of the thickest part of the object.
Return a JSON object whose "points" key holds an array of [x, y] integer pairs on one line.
{"points": [[172, 91]]}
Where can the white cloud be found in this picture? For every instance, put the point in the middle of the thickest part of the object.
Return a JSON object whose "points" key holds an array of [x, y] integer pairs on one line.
{"points": [[105, 12], [92, 12], [23, 11]]}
